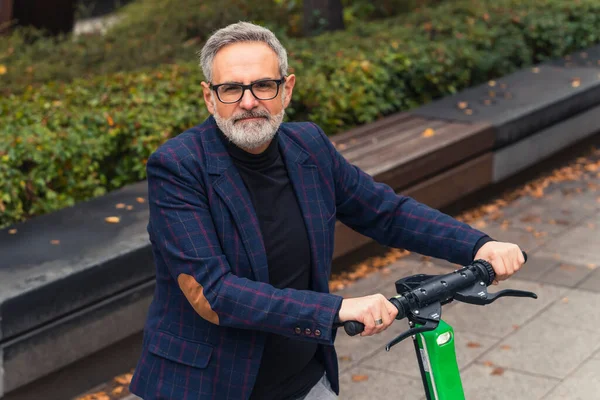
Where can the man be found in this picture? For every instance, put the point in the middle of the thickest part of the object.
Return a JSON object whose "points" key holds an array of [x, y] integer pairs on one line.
{"points": [[242, 216]]}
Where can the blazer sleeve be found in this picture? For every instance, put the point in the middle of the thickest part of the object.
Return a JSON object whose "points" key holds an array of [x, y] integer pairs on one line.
{"points": [[375, 210], [183, 231]]}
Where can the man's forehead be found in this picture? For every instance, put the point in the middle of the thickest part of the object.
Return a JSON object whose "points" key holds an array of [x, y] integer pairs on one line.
{"points": [[245, 61]]}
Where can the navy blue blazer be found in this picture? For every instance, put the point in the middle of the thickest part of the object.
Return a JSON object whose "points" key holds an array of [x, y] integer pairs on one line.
{"points": [[203, 226]]}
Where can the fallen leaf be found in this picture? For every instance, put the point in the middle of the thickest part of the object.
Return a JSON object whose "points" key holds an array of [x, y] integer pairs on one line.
{"points": [[428, 132], [120, 205], [118, 390], [345, 358], [591, 225], [359, 378], [488, 363], [505, 347], [565, 299], [480, 224], [515, 327], [110, 120], [492, 83], [112, 220], [468, 111], [462, 105], [535, 70], [3, 69], [498, 371], [591, 266], [473, 345], [566, 267], [575, 82], [342, 146], [55, 242], [129, 208], [124, 379], [140, 200], [12, 231]]}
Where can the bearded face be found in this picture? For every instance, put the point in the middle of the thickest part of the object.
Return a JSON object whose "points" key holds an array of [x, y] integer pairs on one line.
{"points": [[250, 129]]}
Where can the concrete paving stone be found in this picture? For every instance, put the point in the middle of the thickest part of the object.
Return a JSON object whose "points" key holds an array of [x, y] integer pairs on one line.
{"points": [[543, 348], [402, 358], [566, 275], [583, 384], [577, 246], [536, 267], [577, 308], [489, 383], [527, 241], [551, 217], [378, 385], [504, 315], [591, 282]]}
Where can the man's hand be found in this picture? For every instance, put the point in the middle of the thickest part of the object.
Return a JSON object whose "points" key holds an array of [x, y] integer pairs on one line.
{"points": [[506, 258], [367, 310]]}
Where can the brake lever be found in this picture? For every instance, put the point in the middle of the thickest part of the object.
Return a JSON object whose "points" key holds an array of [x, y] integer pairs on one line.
{"points": [[428, 326], [479, 295], [428, 316]]}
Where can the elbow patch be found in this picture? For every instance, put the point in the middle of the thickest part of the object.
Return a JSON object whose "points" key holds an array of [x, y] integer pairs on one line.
{"points": [[194, 293]]}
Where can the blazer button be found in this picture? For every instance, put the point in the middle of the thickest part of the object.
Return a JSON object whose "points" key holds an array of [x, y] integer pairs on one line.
{"points": [[317, 332], [307, 331], [297, 330]]}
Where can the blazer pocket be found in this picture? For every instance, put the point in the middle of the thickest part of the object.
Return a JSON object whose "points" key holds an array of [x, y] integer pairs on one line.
{"points": [[193, 354]]}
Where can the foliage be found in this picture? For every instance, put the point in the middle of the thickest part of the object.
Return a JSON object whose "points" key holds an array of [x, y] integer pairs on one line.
{"points": [[153, 32], [66, 142]]}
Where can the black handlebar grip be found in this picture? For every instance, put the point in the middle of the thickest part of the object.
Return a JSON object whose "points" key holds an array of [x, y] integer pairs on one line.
{"points": [[353, 328], [524, 255]]}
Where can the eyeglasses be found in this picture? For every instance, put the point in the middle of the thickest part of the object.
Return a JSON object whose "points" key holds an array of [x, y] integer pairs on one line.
{"points": [[265, 89]]}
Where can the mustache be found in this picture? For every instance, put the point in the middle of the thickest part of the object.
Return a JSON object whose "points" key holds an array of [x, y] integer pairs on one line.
{"points": [[252, 114]]}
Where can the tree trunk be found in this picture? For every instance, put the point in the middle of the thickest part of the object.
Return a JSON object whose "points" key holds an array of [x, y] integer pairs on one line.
{"points": [[322, 15], [6, 14], [55, 16]]}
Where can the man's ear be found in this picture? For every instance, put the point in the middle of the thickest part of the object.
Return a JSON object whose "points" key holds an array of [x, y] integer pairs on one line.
{"points": [[208, 97], [289, 88]]}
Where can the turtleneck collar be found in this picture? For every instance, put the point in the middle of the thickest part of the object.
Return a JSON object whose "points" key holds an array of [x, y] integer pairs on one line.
{"points": [[254, 161]]}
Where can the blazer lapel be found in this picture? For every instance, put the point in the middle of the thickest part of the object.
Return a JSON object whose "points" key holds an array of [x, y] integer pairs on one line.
{"points": [[304, 177], [228, 184]]}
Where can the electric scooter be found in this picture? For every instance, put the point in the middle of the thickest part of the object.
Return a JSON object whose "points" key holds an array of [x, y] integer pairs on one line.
{"points": [[420, 299]]}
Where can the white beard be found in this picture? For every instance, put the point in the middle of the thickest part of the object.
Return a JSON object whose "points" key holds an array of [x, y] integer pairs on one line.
{"points": [[250, 134]]}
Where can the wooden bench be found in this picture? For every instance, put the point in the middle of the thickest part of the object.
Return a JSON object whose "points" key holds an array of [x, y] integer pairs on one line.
{"points": [[61, 304]]}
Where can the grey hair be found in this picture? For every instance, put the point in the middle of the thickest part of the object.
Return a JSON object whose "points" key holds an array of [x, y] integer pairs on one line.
{"points": [[237, 33]]}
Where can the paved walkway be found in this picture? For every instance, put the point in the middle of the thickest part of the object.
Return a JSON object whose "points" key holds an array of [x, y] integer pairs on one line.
{"points": [[527, 349], [515, 348]]}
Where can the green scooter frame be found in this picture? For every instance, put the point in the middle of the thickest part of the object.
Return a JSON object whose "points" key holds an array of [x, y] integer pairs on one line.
{"points": [[436, 356]]}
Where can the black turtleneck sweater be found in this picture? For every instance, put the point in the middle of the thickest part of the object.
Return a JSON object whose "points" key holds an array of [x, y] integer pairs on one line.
{"points": [[289, 368]]}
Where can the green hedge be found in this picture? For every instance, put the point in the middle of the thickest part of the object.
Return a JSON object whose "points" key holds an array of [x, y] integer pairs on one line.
{"points": [[62, 143], [153, 32]]}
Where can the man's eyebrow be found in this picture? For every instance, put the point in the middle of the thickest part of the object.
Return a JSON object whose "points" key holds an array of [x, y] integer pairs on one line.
{"points": [[240, 83]]}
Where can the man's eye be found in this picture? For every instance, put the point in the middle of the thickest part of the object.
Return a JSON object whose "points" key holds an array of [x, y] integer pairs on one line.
{"points": [[229, 89]]}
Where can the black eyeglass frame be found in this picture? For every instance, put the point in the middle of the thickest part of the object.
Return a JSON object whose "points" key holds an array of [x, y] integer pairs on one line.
{"points": [[215, 88]]}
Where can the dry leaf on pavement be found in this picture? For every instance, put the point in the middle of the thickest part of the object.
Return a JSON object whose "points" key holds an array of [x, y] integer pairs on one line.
{"points": [[359, 378], [120, 205], [498, 371], [112, 220], [12, 231], [473, 344], [124, 379]]}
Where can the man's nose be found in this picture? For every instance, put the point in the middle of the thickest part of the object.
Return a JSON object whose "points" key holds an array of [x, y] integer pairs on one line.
{"points": [[248, 101]]}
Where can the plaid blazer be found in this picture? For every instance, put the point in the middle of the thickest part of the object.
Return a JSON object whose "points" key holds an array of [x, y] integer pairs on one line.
{"points": [[202, 224]]}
